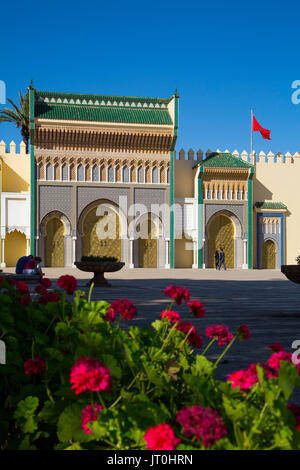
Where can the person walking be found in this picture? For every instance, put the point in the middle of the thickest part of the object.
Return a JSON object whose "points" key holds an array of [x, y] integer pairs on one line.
{"points": [[217, 259], [222, 259]]}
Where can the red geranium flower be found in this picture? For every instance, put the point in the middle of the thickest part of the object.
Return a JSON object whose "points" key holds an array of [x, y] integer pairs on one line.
{"points": [[11, 281], [90, 414], [125, 308], [35, 366], [110, 315], [22, 287], [161, 437], [246, 378], [45, 282], [40, 289], [243, 332], [170, 316], [177, 293], [276, 347], [47, 297], [189, 329], [67, 283], [25, 300], [220, 332], [197, 308], [204, 423], [89, 374], [296, 412]]}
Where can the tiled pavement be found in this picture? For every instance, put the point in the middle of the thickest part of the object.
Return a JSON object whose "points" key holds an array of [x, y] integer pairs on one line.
{"points": [[263, 299]]}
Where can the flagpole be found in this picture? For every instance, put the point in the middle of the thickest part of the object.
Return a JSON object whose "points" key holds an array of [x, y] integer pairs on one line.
{"points": [[251, 133]]}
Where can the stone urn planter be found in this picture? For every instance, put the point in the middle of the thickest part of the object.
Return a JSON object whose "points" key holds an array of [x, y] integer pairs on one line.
{"points": [[99, 268], [292, 272]]}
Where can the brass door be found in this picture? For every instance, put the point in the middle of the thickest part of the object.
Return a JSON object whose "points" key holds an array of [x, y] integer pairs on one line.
{"points": [[100, 239], [55, 243], [269, 255], [221, 232], [148, 248]]}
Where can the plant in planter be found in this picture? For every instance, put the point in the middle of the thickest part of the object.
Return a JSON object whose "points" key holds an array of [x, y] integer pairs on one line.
{"points": [[75, 380]]}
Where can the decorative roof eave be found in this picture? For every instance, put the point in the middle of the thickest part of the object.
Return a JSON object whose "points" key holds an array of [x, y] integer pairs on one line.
{"points": [[42, 95], [270, 206]]}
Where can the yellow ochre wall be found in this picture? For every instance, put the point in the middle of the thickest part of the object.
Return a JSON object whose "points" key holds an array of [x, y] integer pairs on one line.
{"points": [[279, 182], [15, 169]]}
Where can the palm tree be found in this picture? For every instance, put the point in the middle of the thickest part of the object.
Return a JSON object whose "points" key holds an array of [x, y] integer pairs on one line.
{"points": [[19, 116]]}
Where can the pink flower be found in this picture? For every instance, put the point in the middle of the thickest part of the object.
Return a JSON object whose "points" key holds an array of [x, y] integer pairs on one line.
{"points": [[177, 293], [220, 332], [246, 378], [204, 423], [188, 328], [67, 283], [243, 332], [161, 437], [125, 308], [197, 309], [274, 361], [110, 315], [35, 366], [296, 412], [90, 414], [276, 347], [89, 374], [169, 315]]}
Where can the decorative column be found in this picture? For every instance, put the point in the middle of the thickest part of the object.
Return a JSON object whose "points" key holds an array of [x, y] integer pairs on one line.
{"points": [[200, 227], [245, 264], [250, 224], [167, 265], [37, 246], [3, 265], [131, 264], [73, 251], [195, 264], [27, 246]]}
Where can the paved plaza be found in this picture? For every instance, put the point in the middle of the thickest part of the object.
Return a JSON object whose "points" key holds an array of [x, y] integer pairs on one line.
{"points": [[262, 299]]}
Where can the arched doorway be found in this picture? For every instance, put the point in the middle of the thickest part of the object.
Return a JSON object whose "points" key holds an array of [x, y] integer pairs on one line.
{"points": [[221, 235], [269, 255], [14, 248], [101, 233], [55, 243], [147, 244]]}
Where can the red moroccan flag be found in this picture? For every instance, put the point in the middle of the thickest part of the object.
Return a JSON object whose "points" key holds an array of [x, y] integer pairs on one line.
{"points": [[265, 133]]}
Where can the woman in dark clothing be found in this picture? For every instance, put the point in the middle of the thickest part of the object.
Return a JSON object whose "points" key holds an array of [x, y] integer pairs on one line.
{"points": [[217, 259]]}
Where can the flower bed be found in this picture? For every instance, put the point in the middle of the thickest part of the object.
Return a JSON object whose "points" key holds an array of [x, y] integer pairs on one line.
{"points": [[73, 379]]}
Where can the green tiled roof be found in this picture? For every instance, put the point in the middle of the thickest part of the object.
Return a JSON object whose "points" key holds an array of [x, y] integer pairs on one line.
{"points": [[223, 160], [105, 114], [103, 108], [270, 205]]}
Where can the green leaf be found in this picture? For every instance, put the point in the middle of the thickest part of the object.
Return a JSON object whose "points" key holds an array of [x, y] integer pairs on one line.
{"points": [[287, 378], [203, 366], [69, 426], [111, 363], [75, 446], [25, 414]]}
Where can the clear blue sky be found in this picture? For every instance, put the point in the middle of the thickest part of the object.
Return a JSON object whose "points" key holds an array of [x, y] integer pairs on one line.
{"points": [[224, 57]]}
